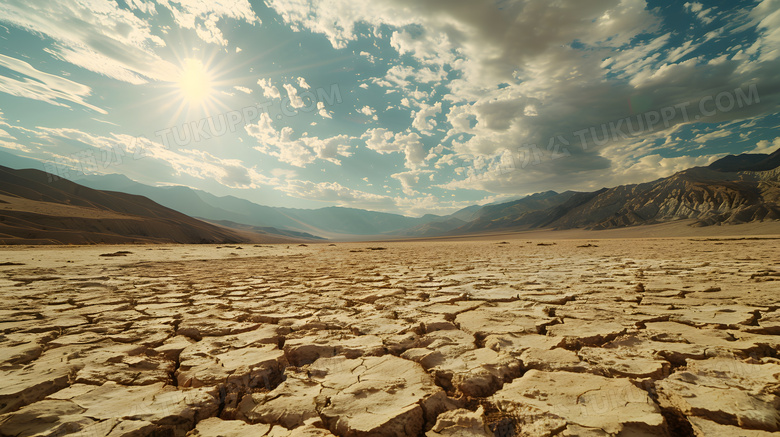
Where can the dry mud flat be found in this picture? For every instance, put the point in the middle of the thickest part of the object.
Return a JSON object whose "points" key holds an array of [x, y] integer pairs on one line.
{"points": [[567, 338]]}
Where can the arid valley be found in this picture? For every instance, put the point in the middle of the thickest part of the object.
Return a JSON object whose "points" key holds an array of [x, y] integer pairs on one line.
{"points": [[532, 337], [350, 218]]}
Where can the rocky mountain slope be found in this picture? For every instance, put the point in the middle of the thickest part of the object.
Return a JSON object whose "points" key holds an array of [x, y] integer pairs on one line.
{"points": [[732, 190]]}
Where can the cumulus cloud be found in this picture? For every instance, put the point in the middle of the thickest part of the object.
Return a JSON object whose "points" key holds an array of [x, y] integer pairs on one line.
{"points": [[299, 151], [368, 56], [383, 141], [292, 94], [422, 118], [410, 179], [203, 16], [766, 146], [330, 148], [493, 40], [529, 74], [269, 91], [324, 113], [279, 143]]}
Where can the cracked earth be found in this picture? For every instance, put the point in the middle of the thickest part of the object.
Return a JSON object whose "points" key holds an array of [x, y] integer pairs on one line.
{"points": [[675, 337]]}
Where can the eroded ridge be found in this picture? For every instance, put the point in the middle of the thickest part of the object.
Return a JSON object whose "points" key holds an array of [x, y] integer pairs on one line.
{"points": [[674, 337]]}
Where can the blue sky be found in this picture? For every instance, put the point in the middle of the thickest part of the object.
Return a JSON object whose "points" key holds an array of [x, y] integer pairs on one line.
{"points": [[400, 106]]}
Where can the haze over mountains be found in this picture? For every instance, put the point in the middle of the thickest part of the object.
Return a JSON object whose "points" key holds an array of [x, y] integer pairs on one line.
{"points": [[326, 222], [113, 208]]}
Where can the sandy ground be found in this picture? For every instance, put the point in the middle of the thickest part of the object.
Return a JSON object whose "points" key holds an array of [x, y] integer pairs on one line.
{"points": [[515, 336], [676, 229]]}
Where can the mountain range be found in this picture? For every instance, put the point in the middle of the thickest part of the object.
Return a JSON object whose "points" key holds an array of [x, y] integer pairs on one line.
{"points": [[328, 222], [732, 190], [37, 209]]}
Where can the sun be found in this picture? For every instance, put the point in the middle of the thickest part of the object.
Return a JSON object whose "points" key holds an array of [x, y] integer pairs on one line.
{"points": [[195, 83]]}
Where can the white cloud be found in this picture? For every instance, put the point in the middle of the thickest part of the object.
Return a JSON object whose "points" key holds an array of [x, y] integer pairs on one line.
{"points": [[383, 141], [490, 41], [367, 111], [269, 91], [340, 195], [693, 7], [283, 173], [96, 35], [410, 179], [322, 111], [766, 17], [368, 56], [768, 147], [302, 83], [43, 86], [243, 89], [429, 47], [519, 79], [701, 13], [145, 6], [6, 135], [292, 93], [380, 140], [122, 149], [422, 117], [13, 145], [651, 167], [337, 193], [203, 16], [279, 143], [331, 148], [298, 152], [720, 133]]}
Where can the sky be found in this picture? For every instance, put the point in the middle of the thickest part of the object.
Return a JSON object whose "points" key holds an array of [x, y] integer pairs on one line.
{"points": [[412, 107]]}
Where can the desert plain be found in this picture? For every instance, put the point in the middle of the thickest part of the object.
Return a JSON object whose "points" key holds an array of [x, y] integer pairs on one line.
{"points": [[495, 336]]}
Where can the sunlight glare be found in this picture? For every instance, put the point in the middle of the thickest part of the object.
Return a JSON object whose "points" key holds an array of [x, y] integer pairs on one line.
{"points": [[195, 82]]}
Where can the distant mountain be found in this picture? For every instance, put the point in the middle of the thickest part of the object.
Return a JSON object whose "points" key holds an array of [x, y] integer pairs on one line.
{"points": [[37, 210], [747, 162], [433, 228], [326, 222], [466, 214], [440, 225], [734, 189], [717, 194], [17, 162], [516, 212], [265, 230]]}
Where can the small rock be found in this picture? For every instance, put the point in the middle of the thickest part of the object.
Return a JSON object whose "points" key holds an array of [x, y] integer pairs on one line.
{"points": [[461, 422]]}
